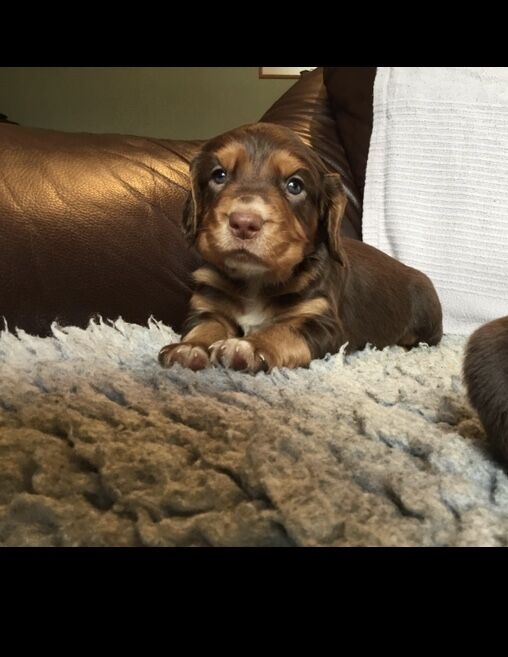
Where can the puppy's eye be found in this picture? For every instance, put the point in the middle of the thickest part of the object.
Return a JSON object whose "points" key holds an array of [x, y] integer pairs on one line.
{"points": [[219, 176], [294, 186]]}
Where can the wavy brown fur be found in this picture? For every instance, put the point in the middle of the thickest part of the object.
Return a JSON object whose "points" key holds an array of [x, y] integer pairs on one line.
{"points": [[486, 378]]}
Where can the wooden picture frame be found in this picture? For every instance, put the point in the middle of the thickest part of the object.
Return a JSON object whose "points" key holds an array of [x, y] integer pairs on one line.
{"points": [[282, 72]]}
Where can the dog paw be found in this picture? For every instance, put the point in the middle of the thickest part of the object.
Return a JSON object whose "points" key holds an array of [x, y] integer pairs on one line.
{"points": [[186, 354], [237, 354]]}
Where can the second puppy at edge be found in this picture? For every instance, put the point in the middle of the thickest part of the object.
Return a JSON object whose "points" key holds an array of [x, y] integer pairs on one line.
{"points": [[281, 286]]}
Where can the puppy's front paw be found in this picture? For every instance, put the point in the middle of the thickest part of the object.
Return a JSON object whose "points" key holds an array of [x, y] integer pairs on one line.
{"points": [[186, 354], [237, 354]]}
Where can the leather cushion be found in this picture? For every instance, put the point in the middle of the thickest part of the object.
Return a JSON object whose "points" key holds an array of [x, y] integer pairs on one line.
{"points": [[350, 90], [89, 224]]}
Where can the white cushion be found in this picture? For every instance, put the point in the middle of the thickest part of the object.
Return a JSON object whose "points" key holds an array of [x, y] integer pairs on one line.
{"points": [[436, 193]]}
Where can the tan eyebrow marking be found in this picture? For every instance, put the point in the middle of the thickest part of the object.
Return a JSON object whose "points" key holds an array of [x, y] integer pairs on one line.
{"points": [[231, 155], [286, 162]]}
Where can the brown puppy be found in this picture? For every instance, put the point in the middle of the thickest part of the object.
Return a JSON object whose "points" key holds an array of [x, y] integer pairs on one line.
{"points": [[486, 378], [282, 286]]}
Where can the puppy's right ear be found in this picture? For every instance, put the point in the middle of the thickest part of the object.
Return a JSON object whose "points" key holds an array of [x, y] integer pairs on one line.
{"points": [[189, 219], [192, 207]]}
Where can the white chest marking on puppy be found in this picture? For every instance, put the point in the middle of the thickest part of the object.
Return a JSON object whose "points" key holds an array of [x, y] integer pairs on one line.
{"points": [[254, 315], [252, 320]]}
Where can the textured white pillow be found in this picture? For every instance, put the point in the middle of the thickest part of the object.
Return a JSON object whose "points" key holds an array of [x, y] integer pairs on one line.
{"points": [[436, 192]]}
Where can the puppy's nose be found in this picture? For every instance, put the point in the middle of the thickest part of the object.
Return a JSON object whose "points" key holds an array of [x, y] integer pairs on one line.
{"points": [[245, 225]]}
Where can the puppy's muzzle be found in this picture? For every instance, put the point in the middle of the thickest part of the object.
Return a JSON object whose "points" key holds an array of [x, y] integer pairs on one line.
{"points": [[245, 225]]}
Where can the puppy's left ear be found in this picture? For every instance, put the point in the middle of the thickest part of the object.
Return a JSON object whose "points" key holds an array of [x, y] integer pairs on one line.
{"points": [[334, 207]]}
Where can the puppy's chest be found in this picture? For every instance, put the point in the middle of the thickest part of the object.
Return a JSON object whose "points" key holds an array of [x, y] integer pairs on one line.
{"points": [[253, 316]]}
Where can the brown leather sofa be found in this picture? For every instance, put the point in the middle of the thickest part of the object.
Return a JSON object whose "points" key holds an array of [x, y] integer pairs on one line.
{"points": [[89, 224]]}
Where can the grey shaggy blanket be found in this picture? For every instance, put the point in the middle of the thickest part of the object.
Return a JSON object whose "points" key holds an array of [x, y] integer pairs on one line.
{"points": [[99, 446]]}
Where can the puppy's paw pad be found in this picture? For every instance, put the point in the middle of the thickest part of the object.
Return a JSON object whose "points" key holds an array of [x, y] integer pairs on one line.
{"points": [[191, 356], [237, 354]]}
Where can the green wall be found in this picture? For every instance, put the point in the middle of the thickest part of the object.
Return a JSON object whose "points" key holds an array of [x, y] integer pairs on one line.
{"points": [[173, 102]]}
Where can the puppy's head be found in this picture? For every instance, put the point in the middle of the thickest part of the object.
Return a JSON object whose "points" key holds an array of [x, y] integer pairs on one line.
{"points": [[261, 201]]}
